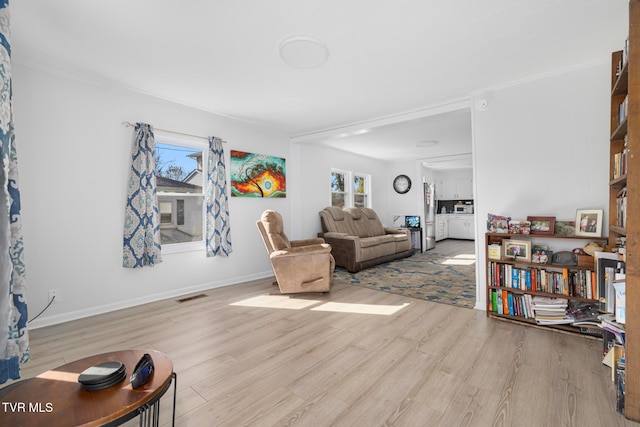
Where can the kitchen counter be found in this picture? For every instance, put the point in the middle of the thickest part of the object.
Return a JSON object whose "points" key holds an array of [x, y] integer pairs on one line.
{"points": [[455, 226]]}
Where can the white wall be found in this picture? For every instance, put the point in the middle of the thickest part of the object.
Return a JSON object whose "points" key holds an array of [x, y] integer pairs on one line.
{"points": [[541, 148], [74, 156], [410, 203], [315, 163]]}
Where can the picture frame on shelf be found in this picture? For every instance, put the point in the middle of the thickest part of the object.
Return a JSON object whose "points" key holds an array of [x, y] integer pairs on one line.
{"points": [[519, 227], [565, 228], [541, 255], [544, 225], [497, 223], [519, 250], [589, 222]]}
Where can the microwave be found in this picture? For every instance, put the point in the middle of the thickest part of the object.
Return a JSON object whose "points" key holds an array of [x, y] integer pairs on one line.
{"points": [[465, 209]]}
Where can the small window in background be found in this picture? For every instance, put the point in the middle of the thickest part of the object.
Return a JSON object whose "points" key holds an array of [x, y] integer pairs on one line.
{"points": [[179, 182], [360, 191], [338, 190]]}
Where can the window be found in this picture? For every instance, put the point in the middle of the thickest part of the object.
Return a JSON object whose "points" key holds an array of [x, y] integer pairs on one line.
{"points": [[348, 189], [339, 192], [180, 182], [361, 191]]}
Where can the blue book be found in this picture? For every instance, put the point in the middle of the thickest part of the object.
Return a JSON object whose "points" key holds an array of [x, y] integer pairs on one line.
{"points": [[511, 304]]}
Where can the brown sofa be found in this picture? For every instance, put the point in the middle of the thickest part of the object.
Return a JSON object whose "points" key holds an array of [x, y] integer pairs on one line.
{"points": [[359, 240]]}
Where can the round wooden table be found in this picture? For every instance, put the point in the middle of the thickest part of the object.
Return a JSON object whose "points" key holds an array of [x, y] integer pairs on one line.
{"points": [[55, 398]]}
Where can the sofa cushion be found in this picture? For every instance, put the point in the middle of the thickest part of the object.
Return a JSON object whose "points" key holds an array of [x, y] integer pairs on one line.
{"points": [[335, 219], [374, 224], [366, 242], [360, 222]]}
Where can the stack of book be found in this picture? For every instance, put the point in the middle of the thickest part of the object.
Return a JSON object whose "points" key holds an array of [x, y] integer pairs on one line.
{"points": [[551, 311], [609, 324], [585, 317]]}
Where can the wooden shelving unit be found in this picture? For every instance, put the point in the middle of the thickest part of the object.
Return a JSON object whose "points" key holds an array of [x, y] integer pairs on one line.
{"points": [[626, 84], [501, 237]]}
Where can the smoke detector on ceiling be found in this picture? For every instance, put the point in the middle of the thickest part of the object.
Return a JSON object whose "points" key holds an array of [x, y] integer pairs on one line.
{"points": [[303, 51], [481, 104]]}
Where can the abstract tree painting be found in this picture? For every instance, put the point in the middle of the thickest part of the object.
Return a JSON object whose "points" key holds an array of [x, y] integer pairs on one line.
{"points": [[257, 175]]}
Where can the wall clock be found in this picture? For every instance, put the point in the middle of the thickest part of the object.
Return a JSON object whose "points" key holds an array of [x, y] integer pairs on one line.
{"points": [[402, 184]]}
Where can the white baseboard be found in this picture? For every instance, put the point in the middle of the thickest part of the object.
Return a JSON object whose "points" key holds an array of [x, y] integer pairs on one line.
{"points": [[80, 314]]}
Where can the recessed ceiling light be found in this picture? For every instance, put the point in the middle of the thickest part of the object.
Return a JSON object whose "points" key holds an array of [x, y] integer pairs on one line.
{"points": [[353, 133], [303, 51], [426, 144]]}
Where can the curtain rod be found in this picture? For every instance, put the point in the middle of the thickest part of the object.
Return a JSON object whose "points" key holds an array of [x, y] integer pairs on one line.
{"points": [[127, 124]]}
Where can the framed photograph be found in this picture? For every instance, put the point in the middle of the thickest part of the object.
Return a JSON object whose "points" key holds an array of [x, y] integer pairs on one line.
{"points": [[517, 250], [589, 222], [542, 224], [519, 227], [565, 228], [541, 255], [498, 224]]}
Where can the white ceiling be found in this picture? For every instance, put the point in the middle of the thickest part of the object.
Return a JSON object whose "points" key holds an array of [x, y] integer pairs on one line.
{"points": [[386, 58]]}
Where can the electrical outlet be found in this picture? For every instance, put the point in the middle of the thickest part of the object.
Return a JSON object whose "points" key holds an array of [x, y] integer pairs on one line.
{"points": [[54, 293]]}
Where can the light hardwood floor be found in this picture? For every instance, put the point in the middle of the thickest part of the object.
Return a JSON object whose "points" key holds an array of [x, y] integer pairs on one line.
{"points": [[353, 357]]}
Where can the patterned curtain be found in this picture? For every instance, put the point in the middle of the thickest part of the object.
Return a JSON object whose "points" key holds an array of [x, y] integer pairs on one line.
{"points": [[141, 222], [218, 229], [14, 341]]}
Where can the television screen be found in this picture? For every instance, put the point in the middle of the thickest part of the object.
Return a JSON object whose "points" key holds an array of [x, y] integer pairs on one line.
{"points": [[412, 221]]}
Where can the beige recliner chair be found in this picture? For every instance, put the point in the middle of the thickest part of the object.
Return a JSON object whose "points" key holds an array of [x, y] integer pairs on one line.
{"points": [[299, 265]]}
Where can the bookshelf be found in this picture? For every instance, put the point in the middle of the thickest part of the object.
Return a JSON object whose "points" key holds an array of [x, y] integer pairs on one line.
{"points": [[574, 283], [624, 181]]}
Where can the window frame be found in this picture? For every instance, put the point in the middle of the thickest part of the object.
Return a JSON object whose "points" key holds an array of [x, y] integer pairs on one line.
{"points": [[367, 188], [349, 183], [197, 144]]}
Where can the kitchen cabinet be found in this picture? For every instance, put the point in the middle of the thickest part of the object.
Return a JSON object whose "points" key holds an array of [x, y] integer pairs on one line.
{"points": [[455, 189], [464, 189], [462, 226], [442, 227]]}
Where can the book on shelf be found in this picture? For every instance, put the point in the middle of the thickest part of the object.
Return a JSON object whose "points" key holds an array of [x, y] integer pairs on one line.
{"points": [[623, 108], [621, 208], [494, 251], [620, 287], [583, 312], [551, 311], [620, 163], [606, 265], [508, 303], [609, 324], [569, 282], [623, 58]]}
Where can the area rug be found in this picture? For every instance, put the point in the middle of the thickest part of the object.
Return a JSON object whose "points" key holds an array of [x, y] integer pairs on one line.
{"points": [[428, 275]]}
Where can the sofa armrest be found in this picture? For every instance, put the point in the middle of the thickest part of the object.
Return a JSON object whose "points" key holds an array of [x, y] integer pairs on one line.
{"points": [[323, 248], [336, 235], [396, 230], [307, 242]]}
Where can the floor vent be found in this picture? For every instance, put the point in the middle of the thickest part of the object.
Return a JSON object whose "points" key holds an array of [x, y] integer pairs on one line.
{"points": [[191, 298]]}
